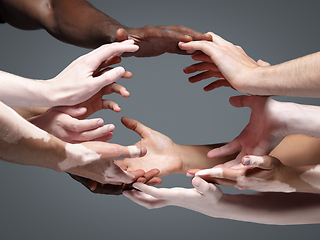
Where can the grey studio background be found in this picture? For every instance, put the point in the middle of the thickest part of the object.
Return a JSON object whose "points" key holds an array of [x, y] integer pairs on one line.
{"points": [[39, 203]]}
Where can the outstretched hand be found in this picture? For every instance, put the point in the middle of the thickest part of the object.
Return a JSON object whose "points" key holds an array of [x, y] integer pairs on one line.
{"points": [[265, 130], [69, 123], [203, 198], [225, 61], [88, 74], [162, 154], [148, 178], [157, 40], [259, 173]]}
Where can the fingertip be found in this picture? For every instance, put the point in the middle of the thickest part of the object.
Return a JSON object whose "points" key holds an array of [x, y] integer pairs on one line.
{"points": [[120, 70], [143, 151], [246, 160], [93, 185]]}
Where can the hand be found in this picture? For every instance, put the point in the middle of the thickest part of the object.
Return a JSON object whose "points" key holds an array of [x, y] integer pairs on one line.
{"points": [[203, 198], [95, 160], [157, 40], [162, 154], [221, 59], [266, 129], [69, 123], [140, 176], [83, 78], [259, 173]]}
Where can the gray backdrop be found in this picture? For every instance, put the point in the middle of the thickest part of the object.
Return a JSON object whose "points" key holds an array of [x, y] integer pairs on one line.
{"points": [[38, 203]]}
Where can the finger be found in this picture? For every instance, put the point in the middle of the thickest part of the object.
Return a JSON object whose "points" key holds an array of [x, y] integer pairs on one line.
{"points": [[264, 162], [262, 63], [73, 111], [97, 133], [101, 54], [192, 172], [110, 76], [244, 100], [116, 88], [208, 48], [227, 149], [201, 57], [109, 104], [202, 186], [216, 84], [126, 74], [120, 152], [154, 181], [136, 126], [195, 35], [111, 61], [144, 199], [122, 35], [79, 126], [205, 75], [201, 66]]}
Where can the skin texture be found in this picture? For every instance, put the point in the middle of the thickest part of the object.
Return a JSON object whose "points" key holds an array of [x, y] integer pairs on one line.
{"points": [[23, 143], [270, 122], [79, 23], [165, 155], [207, 198], [86, 76], [69, 123], [234, 68]]}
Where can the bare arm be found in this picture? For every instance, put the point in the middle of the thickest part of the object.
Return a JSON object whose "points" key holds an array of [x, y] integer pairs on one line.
{"points": [[79, 23], [23, 143], [234, 68], [206, 198]]}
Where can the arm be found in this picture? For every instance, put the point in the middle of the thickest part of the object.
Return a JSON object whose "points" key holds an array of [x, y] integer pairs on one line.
{"points": [[23, 143], [29, 112], [83, 78], [234, 68], [70, 123], [206, 198], [79, 23], [167, 156]]}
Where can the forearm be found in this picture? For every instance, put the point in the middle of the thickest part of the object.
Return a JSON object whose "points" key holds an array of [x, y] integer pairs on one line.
{"points": [[269, 208], [299, 77], [195, 156], [73, 21], [29, 112], [18, 91], [23, 143], [302, 119], [298, 150], [79, 23]]}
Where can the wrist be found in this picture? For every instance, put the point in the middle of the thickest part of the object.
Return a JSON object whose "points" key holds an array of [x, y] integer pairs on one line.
{"points": [[259, 83]]}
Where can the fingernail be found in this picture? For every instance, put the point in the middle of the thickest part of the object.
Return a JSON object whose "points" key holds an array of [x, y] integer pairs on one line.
{"points": [[214, 172], [196, 182], [246, 161], [81, 109], [100, 122], [143, 151], [120, 70], [112, 128], [189, 175]]}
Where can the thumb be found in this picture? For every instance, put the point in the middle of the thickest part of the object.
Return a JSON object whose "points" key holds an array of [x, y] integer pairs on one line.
{"points": [[262, 63], [264, 162], [136, 126], [122, 35], [202, 186]]}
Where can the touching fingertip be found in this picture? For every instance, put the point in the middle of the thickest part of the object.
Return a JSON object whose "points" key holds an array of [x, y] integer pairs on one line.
{"points": [[246, 161]]}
